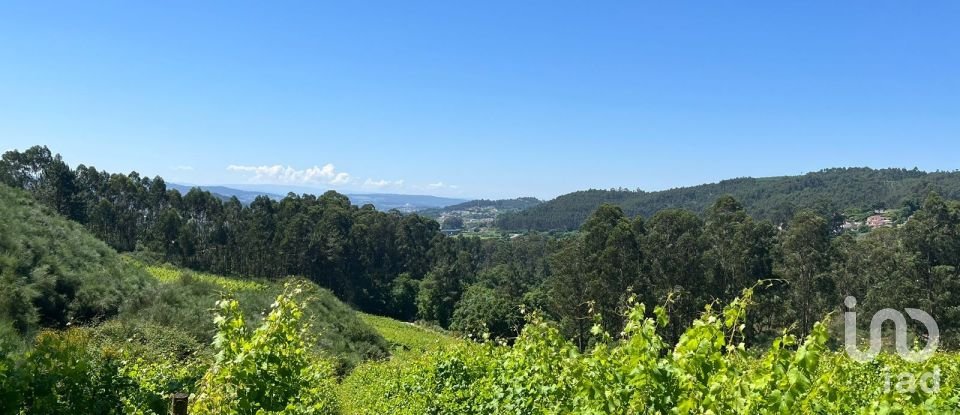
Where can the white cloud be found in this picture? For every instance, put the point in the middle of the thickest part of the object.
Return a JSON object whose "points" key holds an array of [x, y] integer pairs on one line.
{"points": [[183, 168], [442, 185], [279, 174], [382, 183]]}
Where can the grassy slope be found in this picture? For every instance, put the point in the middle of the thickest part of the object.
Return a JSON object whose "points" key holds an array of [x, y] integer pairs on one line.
{"points": [[185, 300], [404, 336], [364, 390], [53, 272]]}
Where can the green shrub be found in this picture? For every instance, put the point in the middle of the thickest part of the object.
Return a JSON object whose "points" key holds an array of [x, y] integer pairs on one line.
{"points": [[272, 370], [62, 374], [483, 311], [183, 299], [53, 272]]}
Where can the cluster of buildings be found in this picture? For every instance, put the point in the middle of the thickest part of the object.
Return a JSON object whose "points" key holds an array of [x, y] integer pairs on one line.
{"points": [[878, 219]]}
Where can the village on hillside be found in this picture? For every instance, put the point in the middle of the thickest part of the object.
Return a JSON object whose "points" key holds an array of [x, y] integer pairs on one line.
{"points": [[878, 218]]}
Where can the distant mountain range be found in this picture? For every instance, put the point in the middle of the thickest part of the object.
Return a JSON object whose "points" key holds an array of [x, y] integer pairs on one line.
{"points": [[829, 192], [382, 201]]}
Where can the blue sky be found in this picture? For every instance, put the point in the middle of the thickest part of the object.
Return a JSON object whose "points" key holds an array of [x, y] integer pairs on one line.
{"points": [[489, 99]]}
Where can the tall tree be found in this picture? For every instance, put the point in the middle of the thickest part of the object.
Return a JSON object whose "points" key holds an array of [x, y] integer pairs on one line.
{"points": [[568, 290], [674, 246], [737, 250], [933, 234], [805, 260], [611, 257], [444, 285]]}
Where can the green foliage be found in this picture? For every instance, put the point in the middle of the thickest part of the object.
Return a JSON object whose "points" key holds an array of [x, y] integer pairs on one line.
{"points": [[157, 361], [274, 369], [673, 360], [484, 312], [708, 371], [356, 252], [403, 296], [452, 222], [52, 272], [773, 198], [369, 388], [400, 265], [806, 255], [269, 371], [182, 302], [390, 387], [408, 336], [171, 274], [443, 286], [90, 371], [63, 374]]}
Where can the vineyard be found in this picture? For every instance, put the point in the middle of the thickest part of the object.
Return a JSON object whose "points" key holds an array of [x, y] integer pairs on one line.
{"points": [[276, 368], [707, 372]]}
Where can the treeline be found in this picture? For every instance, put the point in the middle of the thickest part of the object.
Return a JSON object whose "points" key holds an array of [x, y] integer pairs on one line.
{"points": [[372, 259], [828, 192], [400, 265], [684, 261], [387, 263]]}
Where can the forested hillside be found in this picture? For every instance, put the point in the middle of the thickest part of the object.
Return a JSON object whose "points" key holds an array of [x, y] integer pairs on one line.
{"points": [[777, 199], [89, 331], [402, 266], [366, 257]]}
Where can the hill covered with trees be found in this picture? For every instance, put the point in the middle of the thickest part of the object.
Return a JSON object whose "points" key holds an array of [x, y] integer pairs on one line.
{"points": [[828, 192], [402, 265], [550, 301], [366, 257]]}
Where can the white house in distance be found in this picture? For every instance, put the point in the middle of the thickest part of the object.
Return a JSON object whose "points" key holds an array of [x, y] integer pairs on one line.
{"points": [[879, 221]]}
